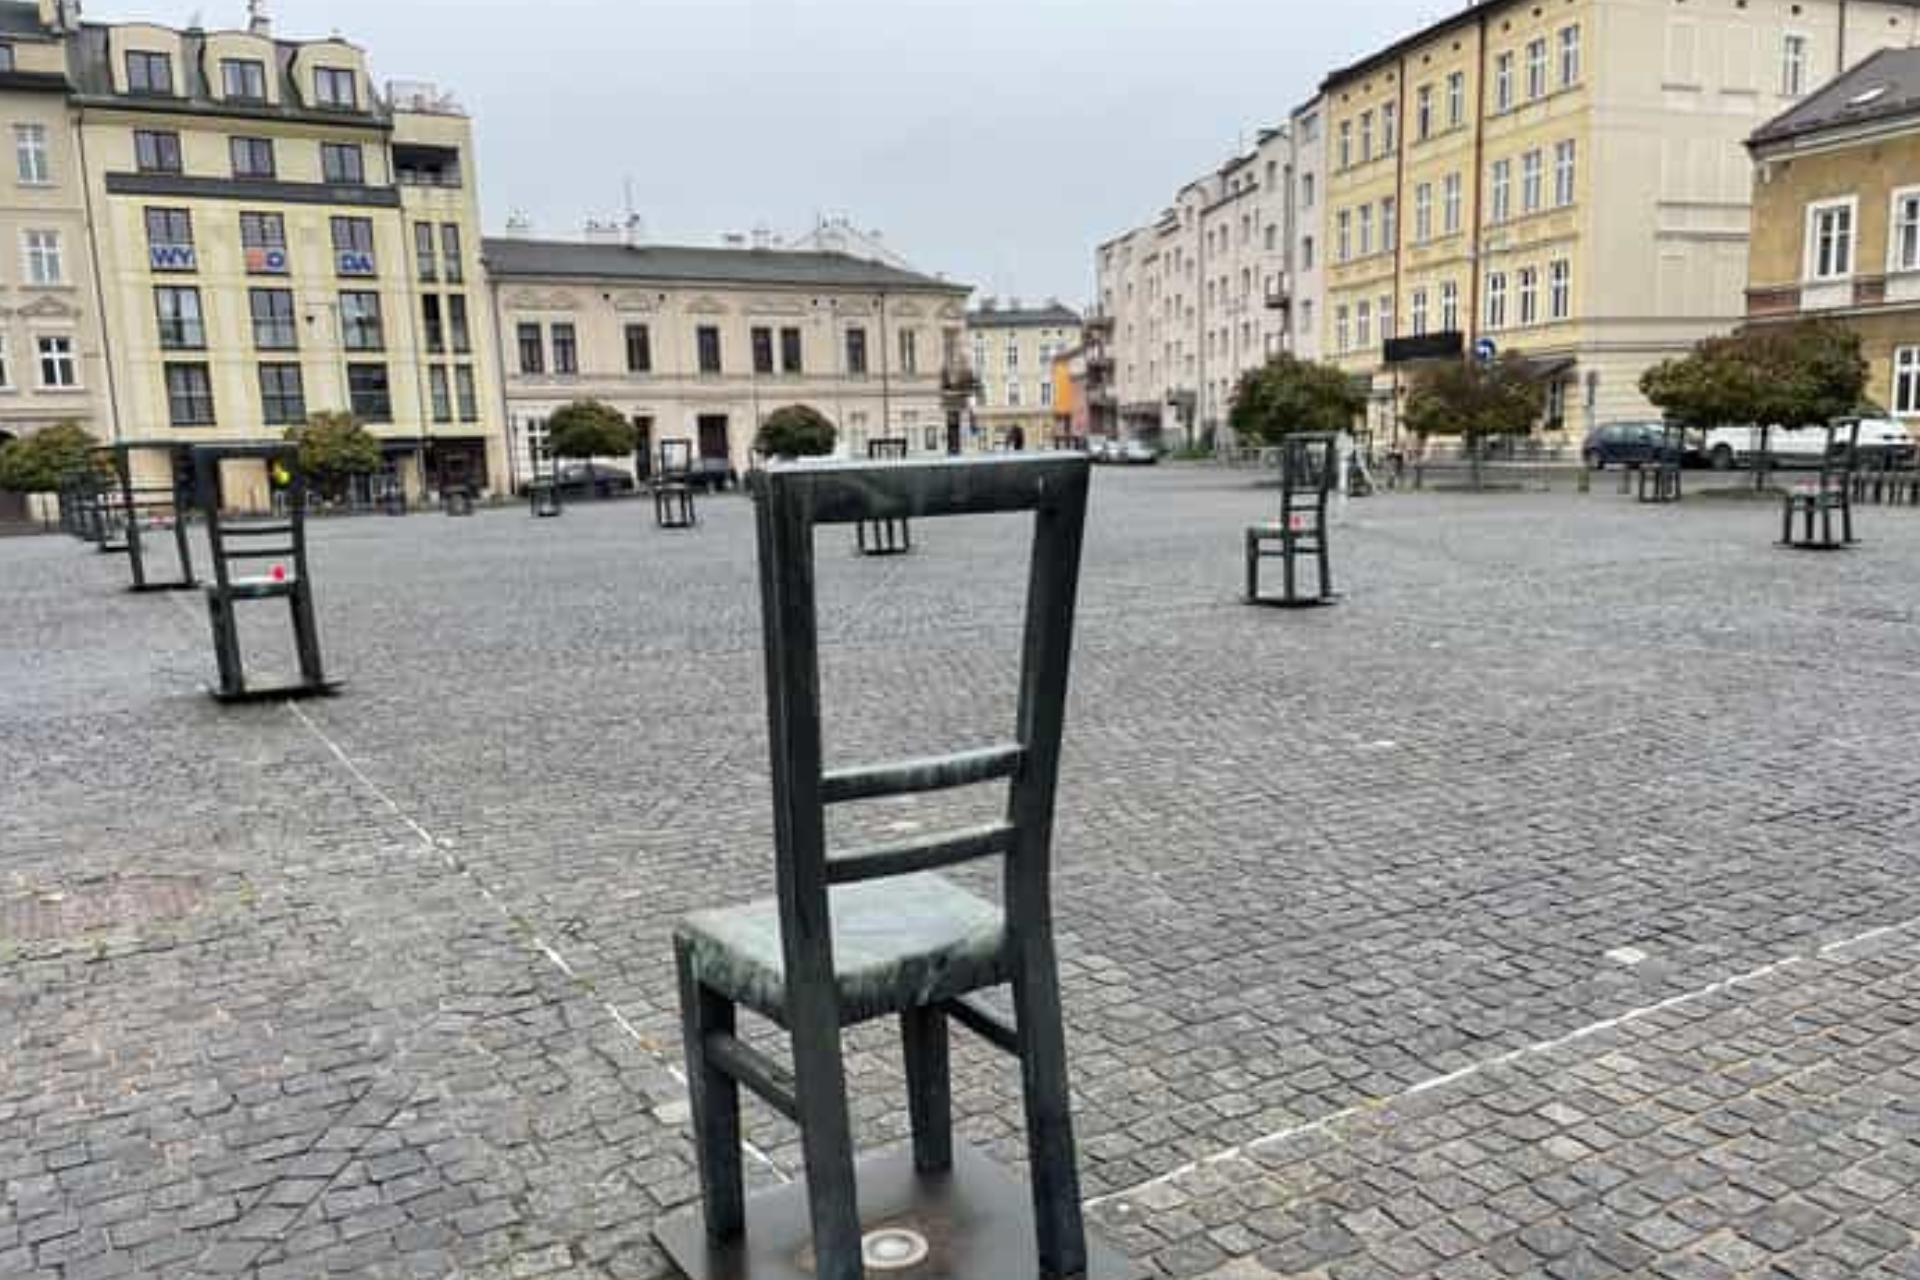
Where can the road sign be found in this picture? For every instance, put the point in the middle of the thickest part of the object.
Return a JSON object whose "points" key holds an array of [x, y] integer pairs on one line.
{"points": [[1485, 349]]}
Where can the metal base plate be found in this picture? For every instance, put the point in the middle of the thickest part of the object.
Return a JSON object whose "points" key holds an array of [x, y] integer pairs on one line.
{"points": [[153, 587], [283, 693], [1298, 602], [977, 1222]]}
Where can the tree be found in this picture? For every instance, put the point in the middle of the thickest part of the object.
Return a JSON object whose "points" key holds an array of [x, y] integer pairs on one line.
{"points": [[589, 429], [1476, 400], [1796, 374], [40, 462], [334, 448], [1287, 395], [795, 431]]}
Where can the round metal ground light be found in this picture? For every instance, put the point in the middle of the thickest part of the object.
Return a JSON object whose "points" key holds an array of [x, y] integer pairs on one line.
{"points": [[893, 1249]]}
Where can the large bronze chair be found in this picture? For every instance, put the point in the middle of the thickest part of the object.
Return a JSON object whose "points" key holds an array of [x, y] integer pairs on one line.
{"points": [[143, 504], [1816, 504], [860, 934], [1308, 468]]}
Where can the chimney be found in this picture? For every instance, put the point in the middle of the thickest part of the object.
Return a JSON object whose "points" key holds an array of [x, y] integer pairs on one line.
{"points": [[519, 225], [258, 23], [762, 236], [635, 228]]}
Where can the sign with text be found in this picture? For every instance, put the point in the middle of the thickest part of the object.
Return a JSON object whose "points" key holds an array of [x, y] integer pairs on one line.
{"points": [[172, 257], [266, 261], [354, 262]]}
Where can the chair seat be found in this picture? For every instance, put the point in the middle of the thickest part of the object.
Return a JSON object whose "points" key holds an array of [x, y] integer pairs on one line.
{"points": [[898, 944]]}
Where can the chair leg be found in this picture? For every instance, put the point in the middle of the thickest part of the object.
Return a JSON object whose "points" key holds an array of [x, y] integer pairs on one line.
{"points": [[226, 646], [1326, 566], [306, 636], [1059, 1226], [826, 1141], [716, 1107], [1287, 571], [923, 1032], [1253, 565]]}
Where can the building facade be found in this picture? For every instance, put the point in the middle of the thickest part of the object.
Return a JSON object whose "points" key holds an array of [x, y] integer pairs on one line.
{"points": [[274, 239], [1836, 200], [1012, 352], [53, 365], [1563, 179], [701, 344], [1306, 274]]}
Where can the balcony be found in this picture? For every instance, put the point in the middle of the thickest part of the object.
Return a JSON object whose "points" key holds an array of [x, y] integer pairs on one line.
{"points": [[1279, 294], [1826, 295]]}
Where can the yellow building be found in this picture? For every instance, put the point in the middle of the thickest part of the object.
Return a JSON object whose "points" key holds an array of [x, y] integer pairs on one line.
{"points": [[1564, 178], [1013, 350], [1836, 200], [275, 237]]}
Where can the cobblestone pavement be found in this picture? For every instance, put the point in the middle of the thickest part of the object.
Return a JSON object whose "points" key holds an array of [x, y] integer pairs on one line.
{"points": [[1548, 908]]}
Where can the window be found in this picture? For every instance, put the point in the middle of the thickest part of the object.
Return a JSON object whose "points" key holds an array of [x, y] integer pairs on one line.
{"points": [[170, 240], [1559, 289], [1906, 381], [263, 243], [1496, 300], [1386, 317], [857, 353], [1306, 253], [30, 155], [1793, 65], [533, 352], [707, 340], [149, 72], [1344, 240], [45, 265], [1363, 324], [424, 257], [1905, 241], [1536, 69], [283, 395], [1423, 213], [762, 350], [1830, 240], [457, 329], [1450, 204], [1366, 230], [1346, 144], [1013, 393], [252, 157], [335, 87], [1390, 127], [1502, 191], [464, 392], [1419, 309], [369, 393], [6, 57], [1272, 237], [1528, 290], [441, 394], [1563, 174], [639, 349], [360, 326], [566, 350], [189, 395], [1532, 181], [155, 151], [182, 327], [1503, 83], [790, 351], [1389, 223], [58, 370], [432, 325], [342, 162], [1306, 191], [1569, 56], [1456, 99], [1366, 136], [243, 79], [1449, 307], [450, 253], [272, 314], [1342, 331], [353, 247]]}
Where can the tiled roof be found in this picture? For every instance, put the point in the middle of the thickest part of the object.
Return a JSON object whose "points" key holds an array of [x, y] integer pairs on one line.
{"points": [[509, 257], [1053, 317], [1885, 86]]}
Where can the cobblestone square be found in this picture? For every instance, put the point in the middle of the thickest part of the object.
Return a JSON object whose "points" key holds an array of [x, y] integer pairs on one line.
{"points": [[1548, 908]]}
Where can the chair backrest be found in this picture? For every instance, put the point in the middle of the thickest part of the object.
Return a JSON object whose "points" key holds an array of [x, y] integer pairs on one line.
{"points": [[791, 500], [676, 456], [1842, 454], [1308, 465], [278, 537]]}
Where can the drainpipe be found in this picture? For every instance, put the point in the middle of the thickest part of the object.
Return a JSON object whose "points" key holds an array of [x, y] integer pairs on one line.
{"points": [[99, 283], [1470, 330]]}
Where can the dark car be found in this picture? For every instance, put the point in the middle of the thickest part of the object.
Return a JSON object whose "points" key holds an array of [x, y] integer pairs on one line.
{"points": [[1624, 444], [578, 479]]}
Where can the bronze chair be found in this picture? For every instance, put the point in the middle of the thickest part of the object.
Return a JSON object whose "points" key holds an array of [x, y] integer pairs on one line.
{"points": [[1308, 467]]}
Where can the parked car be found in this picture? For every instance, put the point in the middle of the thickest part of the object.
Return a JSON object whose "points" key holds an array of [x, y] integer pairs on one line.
{"points": [[1730, 447], [578, 479], [1137, 453], [1625, 444]]}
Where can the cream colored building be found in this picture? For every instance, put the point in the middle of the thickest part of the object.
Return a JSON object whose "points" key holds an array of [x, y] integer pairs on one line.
{"points": [[276, 238], [701, 344], [1566, 179], [52, 361], [1012, 353]]}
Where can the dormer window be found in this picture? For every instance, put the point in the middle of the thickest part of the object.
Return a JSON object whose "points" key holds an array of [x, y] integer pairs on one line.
{"points": [[243, 80], [149, 72], [335, 87], [6, 57]]}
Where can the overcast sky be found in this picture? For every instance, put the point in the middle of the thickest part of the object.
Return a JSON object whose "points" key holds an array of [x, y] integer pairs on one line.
{"points": [[994, 140]]}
